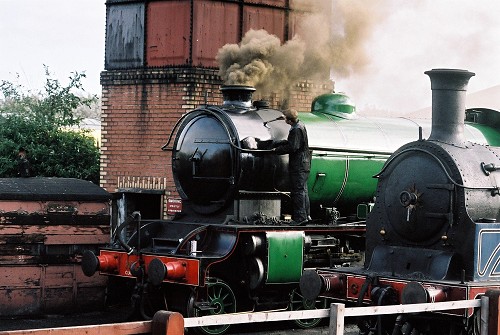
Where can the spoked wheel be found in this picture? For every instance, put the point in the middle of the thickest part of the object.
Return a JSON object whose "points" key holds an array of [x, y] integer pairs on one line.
{"points": [[216, 298], [298, 303]]}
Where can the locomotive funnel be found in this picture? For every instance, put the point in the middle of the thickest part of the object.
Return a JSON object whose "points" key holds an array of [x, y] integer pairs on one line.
{"points": [[237, 95], [448, 104]]}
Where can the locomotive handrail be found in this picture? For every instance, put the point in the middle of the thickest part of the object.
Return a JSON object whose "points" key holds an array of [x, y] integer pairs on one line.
{"points": [[263, 192], [378, 175], [188, 236], [354, 151], [209, 111], [164, 147]]}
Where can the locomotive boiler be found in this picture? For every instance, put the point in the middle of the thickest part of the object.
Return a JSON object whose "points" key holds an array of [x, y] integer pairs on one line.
{"points": [[433, 233], [232, 248], [221, 154]]}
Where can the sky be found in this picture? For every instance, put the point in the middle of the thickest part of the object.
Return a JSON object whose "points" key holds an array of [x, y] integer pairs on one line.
{"points": [[65, 35], [409, 38], [421, 35]]}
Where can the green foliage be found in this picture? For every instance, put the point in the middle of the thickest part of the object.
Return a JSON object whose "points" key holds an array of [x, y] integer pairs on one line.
{"points": [[40, 123]]}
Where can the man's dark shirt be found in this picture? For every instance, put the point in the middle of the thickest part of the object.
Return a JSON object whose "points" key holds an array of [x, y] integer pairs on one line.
{"points": [[297, 147]]}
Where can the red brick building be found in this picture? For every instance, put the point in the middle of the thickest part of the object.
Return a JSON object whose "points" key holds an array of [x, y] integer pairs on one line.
{"points": [[160, 63]]}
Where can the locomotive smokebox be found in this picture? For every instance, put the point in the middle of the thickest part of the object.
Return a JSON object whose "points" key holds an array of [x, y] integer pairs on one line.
{"points": [[449, 87], [237, 96]]}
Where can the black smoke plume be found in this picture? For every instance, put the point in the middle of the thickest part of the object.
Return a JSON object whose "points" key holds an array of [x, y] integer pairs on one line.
{"points": [[329, 36]]}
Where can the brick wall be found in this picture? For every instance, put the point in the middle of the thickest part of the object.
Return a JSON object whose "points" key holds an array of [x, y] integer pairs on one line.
{"points": [[139, 110]]}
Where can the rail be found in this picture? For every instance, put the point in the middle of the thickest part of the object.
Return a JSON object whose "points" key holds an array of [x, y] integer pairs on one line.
{"points": [[171, 323]]}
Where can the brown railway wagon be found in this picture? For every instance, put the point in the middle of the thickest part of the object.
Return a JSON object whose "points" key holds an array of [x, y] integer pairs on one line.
{"points": [[45, 223]]}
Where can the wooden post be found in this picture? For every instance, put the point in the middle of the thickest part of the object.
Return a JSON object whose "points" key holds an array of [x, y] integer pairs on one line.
{"points": [[337, 319], [493, 310], [483, 312], [167, 323]]}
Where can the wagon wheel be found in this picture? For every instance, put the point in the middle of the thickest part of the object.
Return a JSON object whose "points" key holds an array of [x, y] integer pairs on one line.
{"points": [[216, 298], [298, 302]]}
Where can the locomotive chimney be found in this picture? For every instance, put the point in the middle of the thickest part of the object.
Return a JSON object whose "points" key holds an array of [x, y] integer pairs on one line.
{"points": [[237, 96], [448, 104]]}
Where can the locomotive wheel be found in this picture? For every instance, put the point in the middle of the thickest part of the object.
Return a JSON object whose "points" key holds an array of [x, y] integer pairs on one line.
{"points": [[423, 325], [216, 298], [298, 303], [474, 326], [151, 301]]}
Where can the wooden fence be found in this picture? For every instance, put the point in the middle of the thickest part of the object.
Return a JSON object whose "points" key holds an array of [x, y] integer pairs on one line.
{"points": [[171, 323]]}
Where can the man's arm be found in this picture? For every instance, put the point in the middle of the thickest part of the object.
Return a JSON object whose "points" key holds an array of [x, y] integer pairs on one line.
{"points": [[292, 144]]}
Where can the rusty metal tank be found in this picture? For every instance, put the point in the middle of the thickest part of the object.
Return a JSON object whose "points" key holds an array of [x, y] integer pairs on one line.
{"points": [[185, 33]]}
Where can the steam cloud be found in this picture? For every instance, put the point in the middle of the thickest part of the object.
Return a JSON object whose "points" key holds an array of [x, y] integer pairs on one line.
{"points": [[326, 38]]}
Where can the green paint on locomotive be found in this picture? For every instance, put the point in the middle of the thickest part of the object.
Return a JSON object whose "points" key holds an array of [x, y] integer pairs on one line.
{"points": [[333, 103], [491, 135], [342, 180], [285, 256], [486, 122], [349, 149]]}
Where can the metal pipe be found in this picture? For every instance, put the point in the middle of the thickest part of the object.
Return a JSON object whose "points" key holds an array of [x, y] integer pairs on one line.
{"points": [[238, 96], [449, 87]]}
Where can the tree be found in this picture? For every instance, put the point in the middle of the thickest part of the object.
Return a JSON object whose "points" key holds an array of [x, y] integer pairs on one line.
{"points": [[41, 123]]}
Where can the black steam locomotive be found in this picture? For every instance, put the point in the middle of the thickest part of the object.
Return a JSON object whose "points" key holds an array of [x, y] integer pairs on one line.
{"points": [[231, 248], [433, 233]]}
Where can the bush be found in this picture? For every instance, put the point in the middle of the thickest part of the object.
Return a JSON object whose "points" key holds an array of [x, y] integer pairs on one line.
{"points": [[39, 123]]}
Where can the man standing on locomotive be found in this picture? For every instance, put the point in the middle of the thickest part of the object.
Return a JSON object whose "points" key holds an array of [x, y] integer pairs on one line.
{"points": [[299, 165]]}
